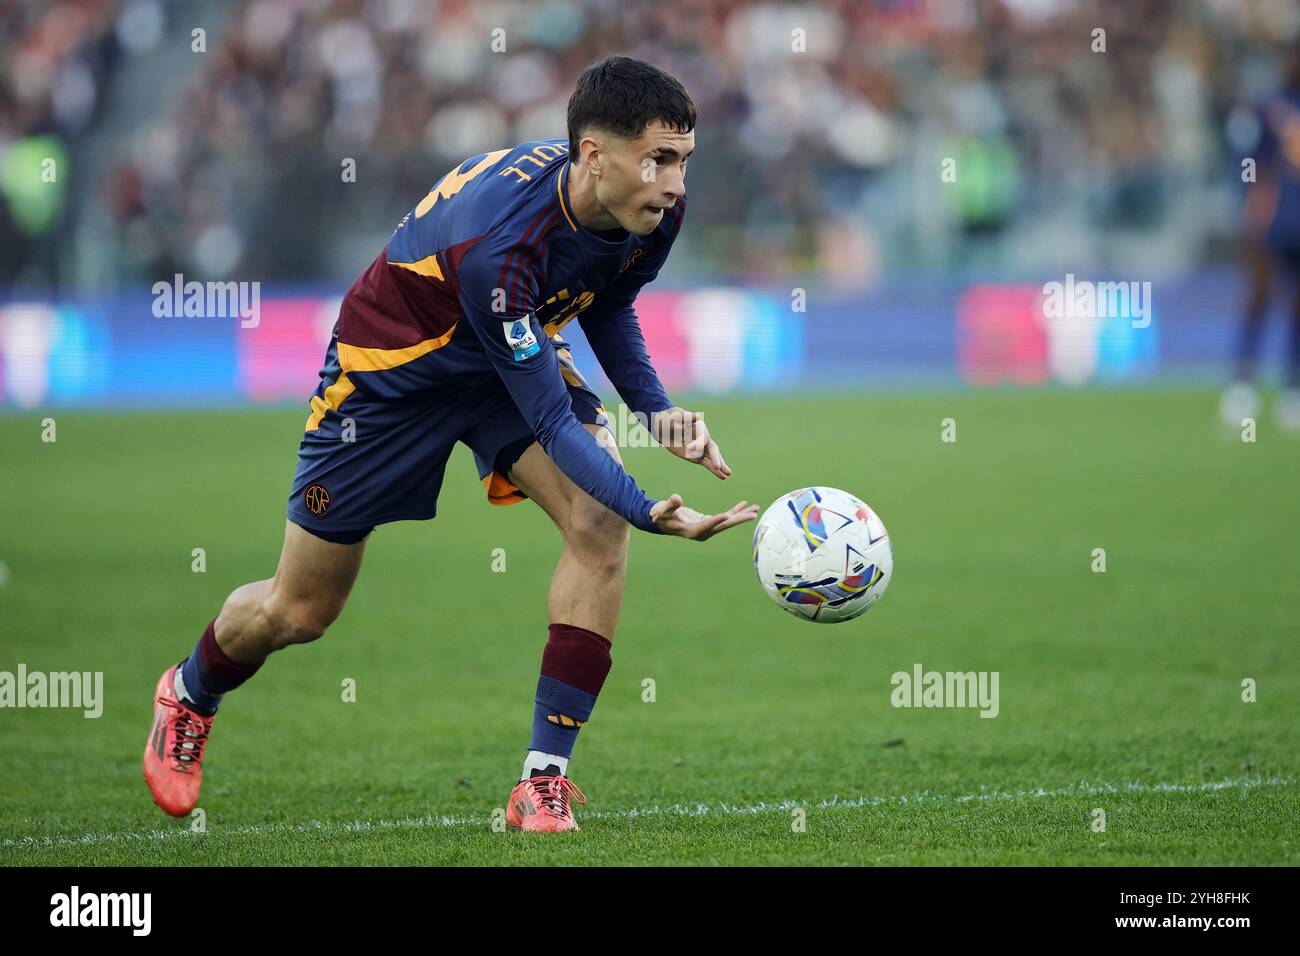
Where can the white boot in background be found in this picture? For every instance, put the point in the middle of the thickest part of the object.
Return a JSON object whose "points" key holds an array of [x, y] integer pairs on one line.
{"points": [[1239, 400], [1286, 411]]}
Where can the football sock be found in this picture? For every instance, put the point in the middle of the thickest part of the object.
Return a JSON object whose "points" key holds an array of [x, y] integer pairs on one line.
{"points": [[538, 764], [575, 663], [208, 673]]}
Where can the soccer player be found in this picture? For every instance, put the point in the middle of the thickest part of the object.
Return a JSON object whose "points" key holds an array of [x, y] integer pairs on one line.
{"points": [[1271, 227], [453, 334]]}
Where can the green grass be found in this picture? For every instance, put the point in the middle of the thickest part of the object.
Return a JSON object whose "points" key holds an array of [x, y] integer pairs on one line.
{"points": [[1110, 685]]}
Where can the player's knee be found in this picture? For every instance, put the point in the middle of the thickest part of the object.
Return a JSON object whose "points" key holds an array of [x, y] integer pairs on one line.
{"points": [[598, 534], [301, 621]]}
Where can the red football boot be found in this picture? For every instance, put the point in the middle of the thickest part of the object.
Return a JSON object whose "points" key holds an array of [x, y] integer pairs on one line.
{"points": [[173, 754], [541, 805]]}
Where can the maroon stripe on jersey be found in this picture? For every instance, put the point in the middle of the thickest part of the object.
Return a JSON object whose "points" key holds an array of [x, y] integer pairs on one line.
{"points": [[389, 307], [677, 210], [537, 246], [453, 255], [505, 266], [538, 250]]}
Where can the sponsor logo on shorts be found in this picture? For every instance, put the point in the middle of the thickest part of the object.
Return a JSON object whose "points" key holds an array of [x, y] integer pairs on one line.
{"points": [[317, 499]]}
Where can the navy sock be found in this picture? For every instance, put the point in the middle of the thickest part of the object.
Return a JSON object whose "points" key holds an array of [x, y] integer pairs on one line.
{"points": [[574, 666], [208, 673]]}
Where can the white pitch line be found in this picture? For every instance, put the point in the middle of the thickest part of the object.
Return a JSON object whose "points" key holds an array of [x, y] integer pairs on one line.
{"points": [[925, 797]]}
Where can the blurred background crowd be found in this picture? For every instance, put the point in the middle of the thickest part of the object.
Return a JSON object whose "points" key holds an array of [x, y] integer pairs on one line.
{"points": [[823, 129]]}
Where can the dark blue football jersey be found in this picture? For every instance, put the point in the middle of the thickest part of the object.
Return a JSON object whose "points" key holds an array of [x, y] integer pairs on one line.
{"points": [[479, 279], [1279, 159]]}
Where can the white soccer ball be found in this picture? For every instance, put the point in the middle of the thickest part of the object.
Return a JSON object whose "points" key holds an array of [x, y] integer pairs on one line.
{"points": [[822, 554]]}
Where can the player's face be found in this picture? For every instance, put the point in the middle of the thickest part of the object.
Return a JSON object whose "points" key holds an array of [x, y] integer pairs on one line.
{"points": [[644, 176]]}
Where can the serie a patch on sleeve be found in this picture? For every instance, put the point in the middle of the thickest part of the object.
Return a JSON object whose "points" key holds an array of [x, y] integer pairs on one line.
{"points": [[520, 338]]}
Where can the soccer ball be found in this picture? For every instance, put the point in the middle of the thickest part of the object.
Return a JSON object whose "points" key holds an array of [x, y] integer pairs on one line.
{"points": [[822, 554]]}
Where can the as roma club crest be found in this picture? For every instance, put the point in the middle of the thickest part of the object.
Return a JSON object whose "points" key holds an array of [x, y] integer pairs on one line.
{"points": [[317, 499]]}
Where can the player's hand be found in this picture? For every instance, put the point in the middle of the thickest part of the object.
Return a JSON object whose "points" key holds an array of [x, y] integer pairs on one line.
{"points": [[673, 517], [685, 435]]}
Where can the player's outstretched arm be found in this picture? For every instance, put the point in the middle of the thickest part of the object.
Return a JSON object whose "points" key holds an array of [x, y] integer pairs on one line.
{"points": [[671, 516], [525, 361]]}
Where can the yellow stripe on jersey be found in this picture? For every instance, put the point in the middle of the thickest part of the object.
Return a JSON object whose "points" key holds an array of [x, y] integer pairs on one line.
{"points": [[552, 328], [428, 266], [569, 312], [354, 358], [559, 191]]}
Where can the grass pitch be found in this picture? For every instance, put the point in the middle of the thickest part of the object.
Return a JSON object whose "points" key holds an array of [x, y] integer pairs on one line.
{"points": [[1119, 691]]}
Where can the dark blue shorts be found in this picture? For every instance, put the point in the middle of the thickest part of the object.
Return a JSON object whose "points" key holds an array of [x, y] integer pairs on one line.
{"points": [[372, 461]]}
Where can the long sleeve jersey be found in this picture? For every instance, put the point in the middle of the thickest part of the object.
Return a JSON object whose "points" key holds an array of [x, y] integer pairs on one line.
{"points": [[476, 281]]}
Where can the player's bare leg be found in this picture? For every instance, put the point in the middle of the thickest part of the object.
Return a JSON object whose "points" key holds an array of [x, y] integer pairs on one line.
{"points": [[583, 606], [311, 584], [587, 588]]}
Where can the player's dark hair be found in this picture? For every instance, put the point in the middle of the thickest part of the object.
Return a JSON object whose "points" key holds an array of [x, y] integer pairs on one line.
{"points": [[623, 95]]}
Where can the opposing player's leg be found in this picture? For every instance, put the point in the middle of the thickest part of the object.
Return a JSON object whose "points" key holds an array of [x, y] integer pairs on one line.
{"points": [[1287, 410], [1241, 398], [311, 583]]}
